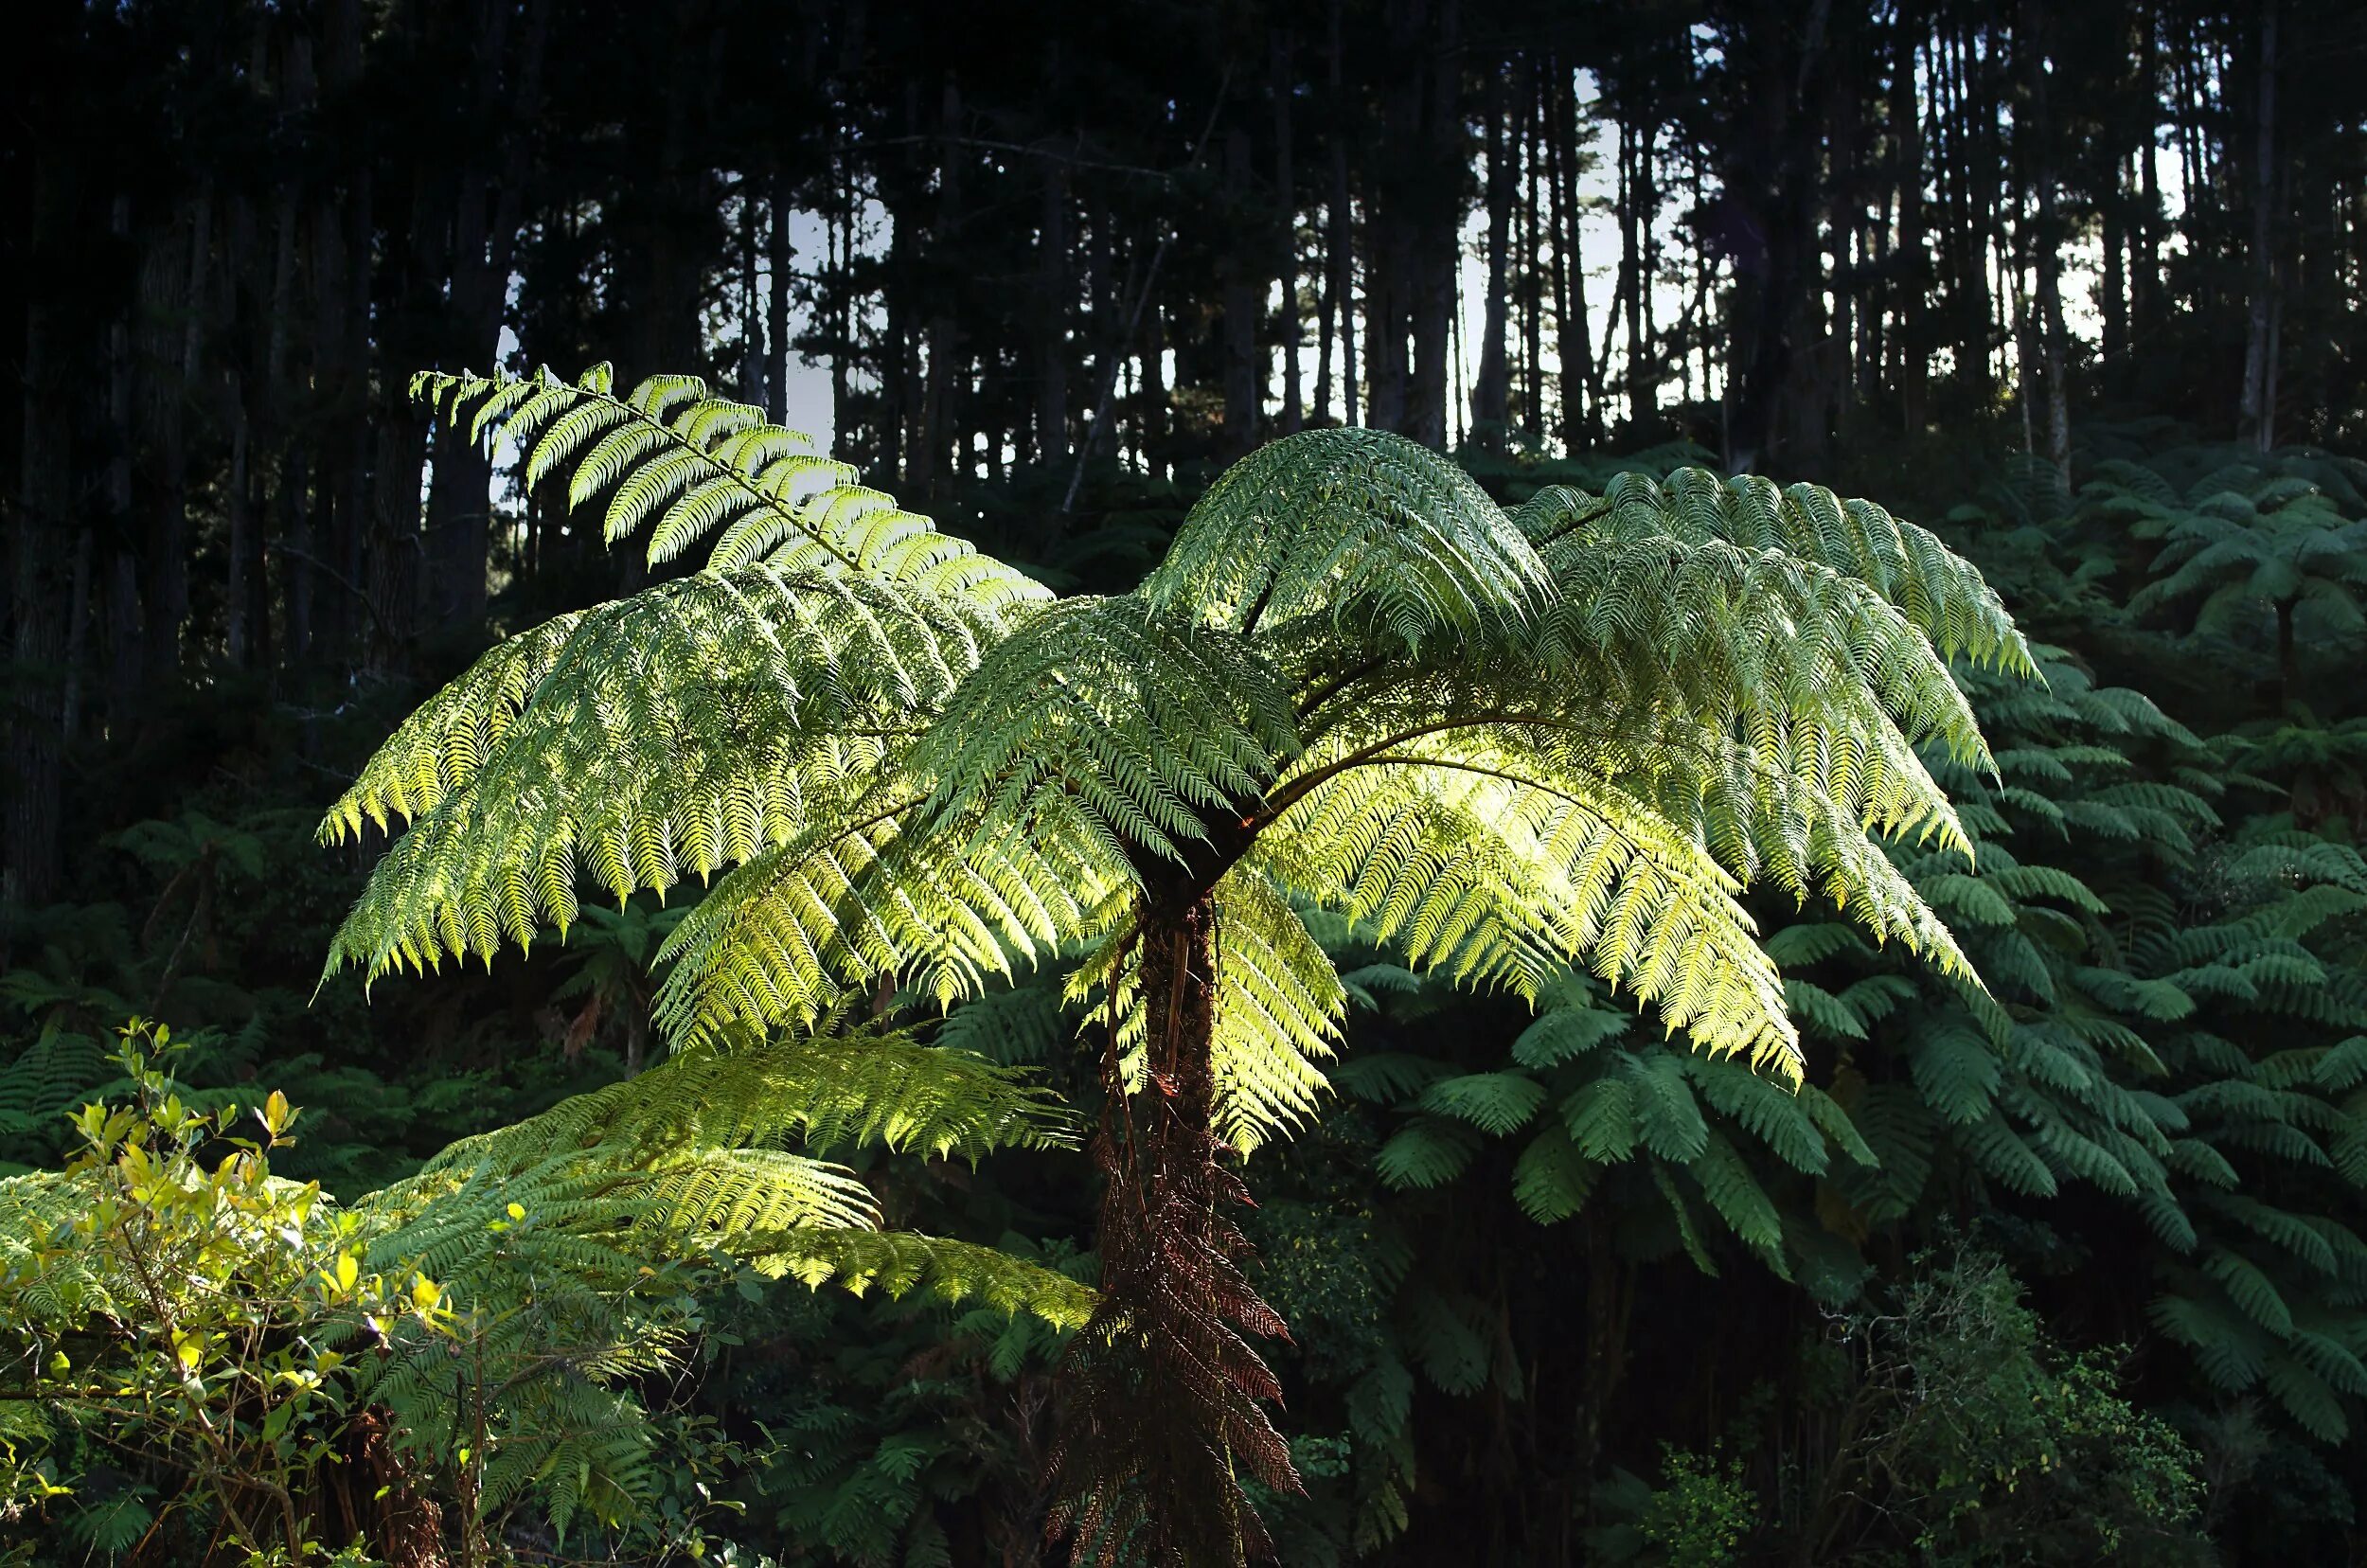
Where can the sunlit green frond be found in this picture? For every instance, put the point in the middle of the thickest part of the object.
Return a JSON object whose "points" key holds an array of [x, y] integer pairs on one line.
{"points": [[824, 1092], [658, 738], [687, 466], [1364, 530], [1497, 878], [898, 1263], [1278, 1007], [1761, 636], [785, 937], [1941, 594], [1147, 730]]}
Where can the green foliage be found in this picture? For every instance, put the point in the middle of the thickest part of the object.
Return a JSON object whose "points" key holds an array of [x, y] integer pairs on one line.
{"points": [[482, 1334], [1969, 1438], [1700, 1513], [2153, 1106]]}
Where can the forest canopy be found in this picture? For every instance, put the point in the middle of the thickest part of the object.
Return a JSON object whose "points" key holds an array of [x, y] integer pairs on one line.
{"points": [[1323, 531]]}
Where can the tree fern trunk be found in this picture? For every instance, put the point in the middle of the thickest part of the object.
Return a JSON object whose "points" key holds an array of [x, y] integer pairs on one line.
{"points": [[1165, 1393]]}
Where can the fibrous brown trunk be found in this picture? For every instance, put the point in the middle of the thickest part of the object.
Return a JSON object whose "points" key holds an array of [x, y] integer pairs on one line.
{"points": [[1165, 1412]]}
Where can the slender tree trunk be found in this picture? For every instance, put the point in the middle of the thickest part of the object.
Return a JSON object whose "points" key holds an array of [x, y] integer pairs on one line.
{"points": [[2258, 409], [1327, 307], [1342, 225], [1287, 220], [2055, 342], [1054, 308], [1533, 131], [1913, 270], [2147, 312], [1435, 238], [32, 859], [778, 257], [1490, 388], [756, 357], [930, 471], [1242, 285], [1581, 394]]}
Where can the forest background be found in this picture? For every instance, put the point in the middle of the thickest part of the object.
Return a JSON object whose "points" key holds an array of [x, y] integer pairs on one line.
{"points": [[2078, 284]]}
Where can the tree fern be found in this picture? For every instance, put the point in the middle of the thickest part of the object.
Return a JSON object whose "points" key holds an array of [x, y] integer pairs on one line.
{"points": [[1504, 743]]}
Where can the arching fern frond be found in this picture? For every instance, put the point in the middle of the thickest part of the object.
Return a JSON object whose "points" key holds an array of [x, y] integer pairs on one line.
{"points": [[686, 463], [1941, 594], [661, 736], [1354, 526], [1148, 730]]}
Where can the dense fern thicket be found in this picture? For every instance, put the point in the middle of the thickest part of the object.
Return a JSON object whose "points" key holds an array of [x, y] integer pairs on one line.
{"points": [[1560, 1284]]}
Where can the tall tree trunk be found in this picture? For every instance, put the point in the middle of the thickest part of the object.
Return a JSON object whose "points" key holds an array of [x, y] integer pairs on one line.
{"points": [[1912, 271], [177, 288], [41, 529], [2055, 340], [1581, 392], [756, 354], [934, 451], [778, 256], [1491, 388], [2258, 426], [507, 94], [1775, 279], [1531, 91], [2147, 289], [1242, 291], [1286, 220], [1343, 228], [1054, 306]]}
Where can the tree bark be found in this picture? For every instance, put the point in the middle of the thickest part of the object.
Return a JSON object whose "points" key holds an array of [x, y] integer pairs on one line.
{"points": [[1286, 222], [1241, 281], [1342, 229], [1491, 386], [2258, 410], [2055, 339], [1436, 239], [40, 530], [1054, 305], [1166, 1395]]}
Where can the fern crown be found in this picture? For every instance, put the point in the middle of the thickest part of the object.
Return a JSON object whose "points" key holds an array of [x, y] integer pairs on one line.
{"points": [[1505, 742]]}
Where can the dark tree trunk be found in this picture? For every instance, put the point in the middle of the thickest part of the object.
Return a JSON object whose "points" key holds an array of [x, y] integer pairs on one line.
{"points": [[2258, 410], [41, 531], [1286, 233], [507, 94], [1243, 292], [933, 456], [1166, 1395], [2055, 337], [1436, 239], [776, 318], [1491, 386], [1342, 225], [1912, 272], [1776, 158], [1054, 307]]}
